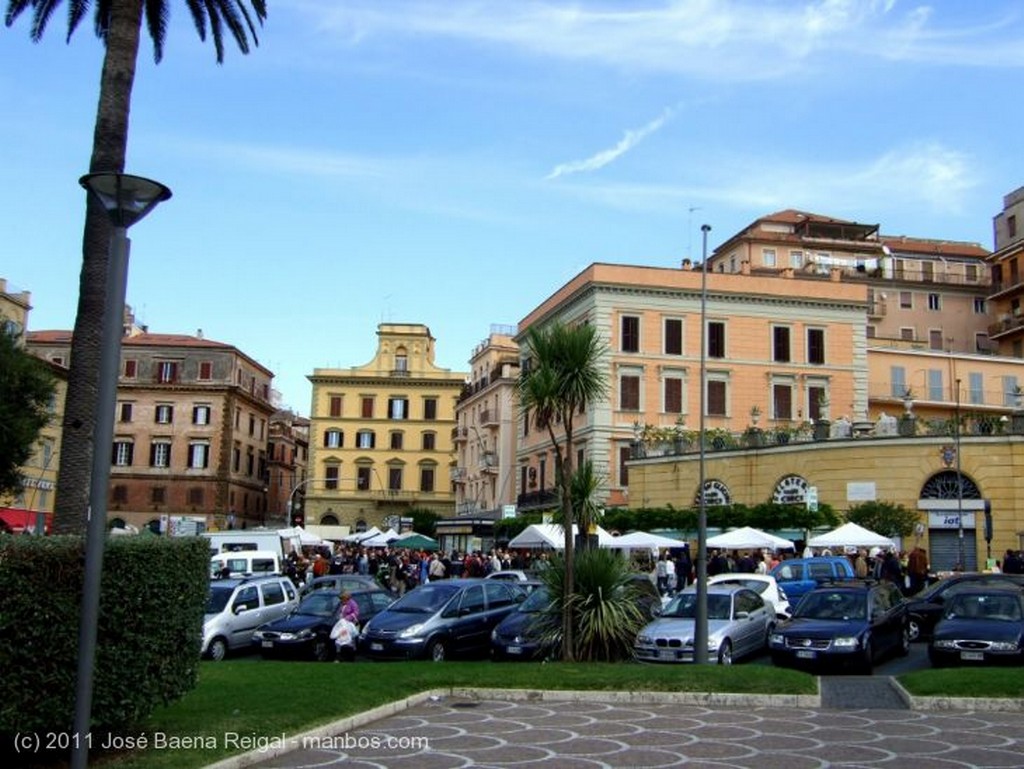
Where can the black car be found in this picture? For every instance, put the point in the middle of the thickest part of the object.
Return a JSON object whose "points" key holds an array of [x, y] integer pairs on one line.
{"points": [[438, 620], [305, 633], [926, 608], [336, 583], [847, 624], [980, 624], [518, 636]]}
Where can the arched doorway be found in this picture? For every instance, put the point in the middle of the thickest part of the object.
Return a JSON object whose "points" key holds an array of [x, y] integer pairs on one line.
{"points": [[946, 497]]}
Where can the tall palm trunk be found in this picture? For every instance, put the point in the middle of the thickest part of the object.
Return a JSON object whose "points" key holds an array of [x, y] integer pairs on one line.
{"points": [[564, 467], [110, 143]]}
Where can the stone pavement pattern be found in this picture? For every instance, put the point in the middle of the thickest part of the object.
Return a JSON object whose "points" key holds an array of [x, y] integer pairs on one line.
{"points": [[589, 735]]}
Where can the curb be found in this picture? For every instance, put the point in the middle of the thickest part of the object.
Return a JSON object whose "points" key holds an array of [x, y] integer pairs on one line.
{"points": [[958, 704]]}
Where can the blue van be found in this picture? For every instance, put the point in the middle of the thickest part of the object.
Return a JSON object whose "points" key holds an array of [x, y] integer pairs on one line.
{"points": [[798, 576]]}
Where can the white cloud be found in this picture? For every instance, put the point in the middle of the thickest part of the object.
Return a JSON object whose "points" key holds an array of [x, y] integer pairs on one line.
{"points": [[738, 40], [600, 159]]}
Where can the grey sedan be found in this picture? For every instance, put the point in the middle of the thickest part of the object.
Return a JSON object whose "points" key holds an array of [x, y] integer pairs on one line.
{"points": [[739, 622]]}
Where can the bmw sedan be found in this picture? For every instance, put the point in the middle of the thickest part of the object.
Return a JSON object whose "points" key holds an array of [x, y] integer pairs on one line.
{"points": [[981, 625], [739, 623]]}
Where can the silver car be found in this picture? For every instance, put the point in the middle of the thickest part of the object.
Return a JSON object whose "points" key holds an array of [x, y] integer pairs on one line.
{"points": [[739, 622]]}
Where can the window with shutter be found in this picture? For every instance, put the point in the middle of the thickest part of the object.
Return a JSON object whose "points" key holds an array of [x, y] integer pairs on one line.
{"points": [[673, 336], [206, 370], [629, 393], [673, 395], [780, 344], [335, 405], [630, 333], [716, 339], [816, 346], [716, 401]]}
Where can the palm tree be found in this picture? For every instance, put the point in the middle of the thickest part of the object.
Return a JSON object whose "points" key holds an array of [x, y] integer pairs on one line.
{"points": [[562, 375], [583, 490], [119, 24]]}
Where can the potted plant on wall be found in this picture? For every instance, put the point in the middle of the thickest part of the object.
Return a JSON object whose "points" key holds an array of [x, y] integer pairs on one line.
{"points": [[754, 435], [908, 422]]}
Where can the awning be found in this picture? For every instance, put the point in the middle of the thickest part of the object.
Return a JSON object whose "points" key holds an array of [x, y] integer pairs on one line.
{"points": [[17, 521]]}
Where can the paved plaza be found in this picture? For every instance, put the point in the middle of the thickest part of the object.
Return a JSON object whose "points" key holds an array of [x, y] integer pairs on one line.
{"points": [[444, 732]]}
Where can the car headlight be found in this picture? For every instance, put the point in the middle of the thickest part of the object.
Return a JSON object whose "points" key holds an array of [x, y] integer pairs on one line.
{"points": [[644, 640], [850, 642], [1003, 646], [944, 644], [777, 639], [411, 631]]}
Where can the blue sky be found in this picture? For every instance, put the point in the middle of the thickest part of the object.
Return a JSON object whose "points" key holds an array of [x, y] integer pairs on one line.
{"points": [[453, 163]]}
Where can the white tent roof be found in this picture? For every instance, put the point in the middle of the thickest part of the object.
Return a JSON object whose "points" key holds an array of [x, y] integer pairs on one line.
{"points": [[749, 538], [642, 540], [550, 535], [851, 535], [307, 537]]}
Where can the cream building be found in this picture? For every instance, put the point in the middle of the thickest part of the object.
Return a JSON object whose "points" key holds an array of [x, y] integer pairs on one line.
{"points": [[381, 434]]}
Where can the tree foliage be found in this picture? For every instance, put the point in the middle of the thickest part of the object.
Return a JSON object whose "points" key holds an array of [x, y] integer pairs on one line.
{"points": [[885, 518], [26, 391]]}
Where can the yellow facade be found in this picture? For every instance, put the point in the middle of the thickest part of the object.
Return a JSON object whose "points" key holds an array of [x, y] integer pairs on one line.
{"points": [[920, 473], [381, 440]]}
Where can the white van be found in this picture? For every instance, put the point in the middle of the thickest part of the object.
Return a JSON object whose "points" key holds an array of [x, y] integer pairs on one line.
{"points": [[245, 563]]}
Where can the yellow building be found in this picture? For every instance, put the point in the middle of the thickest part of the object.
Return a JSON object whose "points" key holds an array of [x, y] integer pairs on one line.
{"points": [[34, 504], [381, 434]]}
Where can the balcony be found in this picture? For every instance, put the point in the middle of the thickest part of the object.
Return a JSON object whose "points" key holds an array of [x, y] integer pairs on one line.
{"points": [[876, 309], [459, 475], [1007, 325], [489, 462], [537, 500], [490, 418], [460, 434]]}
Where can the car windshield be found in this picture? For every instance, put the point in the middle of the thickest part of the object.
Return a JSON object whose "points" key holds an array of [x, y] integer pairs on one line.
{"points": [[684, 606], [425, 599], [998, 608], [536, 602], [833, 604], [319, 604], [758, 586], [218, 598]]}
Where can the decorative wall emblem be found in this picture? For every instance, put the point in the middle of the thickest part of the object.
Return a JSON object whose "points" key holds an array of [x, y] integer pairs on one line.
{"points": [[791, 490]]}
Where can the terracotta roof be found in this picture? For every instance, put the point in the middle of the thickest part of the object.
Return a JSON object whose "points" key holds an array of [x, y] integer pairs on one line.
{"points": [[901, 243], [152, 340]]}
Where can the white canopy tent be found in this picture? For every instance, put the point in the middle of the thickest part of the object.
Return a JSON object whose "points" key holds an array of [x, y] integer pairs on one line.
{"points": [[642, 540], [749, 538], [851, 535], [551, 535]]}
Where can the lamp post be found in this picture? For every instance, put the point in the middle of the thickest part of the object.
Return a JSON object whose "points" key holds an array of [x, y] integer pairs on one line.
{"points": [[700, 631], [126, 199]]}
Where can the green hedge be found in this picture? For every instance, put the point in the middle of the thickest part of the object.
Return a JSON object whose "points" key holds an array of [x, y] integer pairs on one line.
{"points": [[152, 599]]}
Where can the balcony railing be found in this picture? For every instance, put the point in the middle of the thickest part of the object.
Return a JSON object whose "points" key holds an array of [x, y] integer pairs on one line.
{"points": [[489, 418], [536, 500]]}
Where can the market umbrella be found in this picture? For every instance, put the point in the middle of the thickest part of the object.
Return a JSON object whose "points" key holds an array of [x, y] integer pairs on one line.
{"points": [[749, 538], [415, 542], [851, 535], [642, 540]]}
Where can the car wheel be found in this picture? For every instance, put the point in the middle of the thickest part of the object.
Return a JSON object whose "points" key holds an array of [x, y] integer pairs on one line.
{"points": [[322, 650], [725, 653], [914, 628], [904, 648], [438, 650], [217, 650], [768, 634]]}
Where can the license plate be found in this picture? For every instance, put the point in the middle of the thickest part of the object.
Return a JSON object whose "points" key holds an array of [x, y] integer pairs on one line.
{"points": [[376, 647], [513, 649], [806, 655], [666, 654], [972, 656], [268, 644]]}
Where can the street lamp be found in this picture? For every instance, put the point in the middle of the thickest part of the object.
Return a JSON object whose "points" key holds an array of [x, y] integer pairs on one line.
{"points": [[126, 199], [700, 631]]}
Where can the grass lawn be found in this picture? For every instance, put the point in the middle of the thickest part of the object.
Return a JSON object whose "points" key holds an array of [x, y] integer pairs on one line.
{"points": [[989, 682], [264, 699]]}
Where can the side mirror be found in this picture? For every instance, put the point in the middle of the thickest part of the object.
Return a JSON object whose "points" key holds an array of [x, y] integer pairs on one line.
{"points": [[742, 615], [240, 608]]}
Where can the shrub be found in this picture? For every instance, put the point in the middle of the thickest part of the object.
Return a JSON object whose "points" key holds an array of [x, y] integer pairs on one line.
{"points": [[152, 598], [606, 612]]}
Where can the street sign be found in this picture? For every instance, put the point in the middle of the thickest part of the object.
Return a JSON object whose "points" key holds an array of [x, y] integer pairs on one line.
{"points": [[812, 498]]}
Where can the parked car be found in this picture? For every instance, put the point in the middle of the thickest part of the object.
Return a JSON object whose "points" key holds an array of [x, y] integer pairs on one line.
{"points": [[245, 563], [517, 636], [335, 583], [237, 606], [763, 584], [739, 622], [848, 624], [797, 576], [926, 608], [515, 575], [305, 632], [980, 624], [438, 620]]}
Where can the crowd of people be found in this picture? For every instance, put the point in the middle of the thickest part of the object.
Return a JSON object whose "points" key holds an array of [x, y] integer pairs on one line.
{"points": [[401, 569]]}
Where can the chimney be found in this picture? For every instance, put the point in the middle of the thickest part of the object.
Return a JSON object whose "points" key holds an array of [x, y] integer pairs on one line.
{"points": [[199, 333], [687, 264]]}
